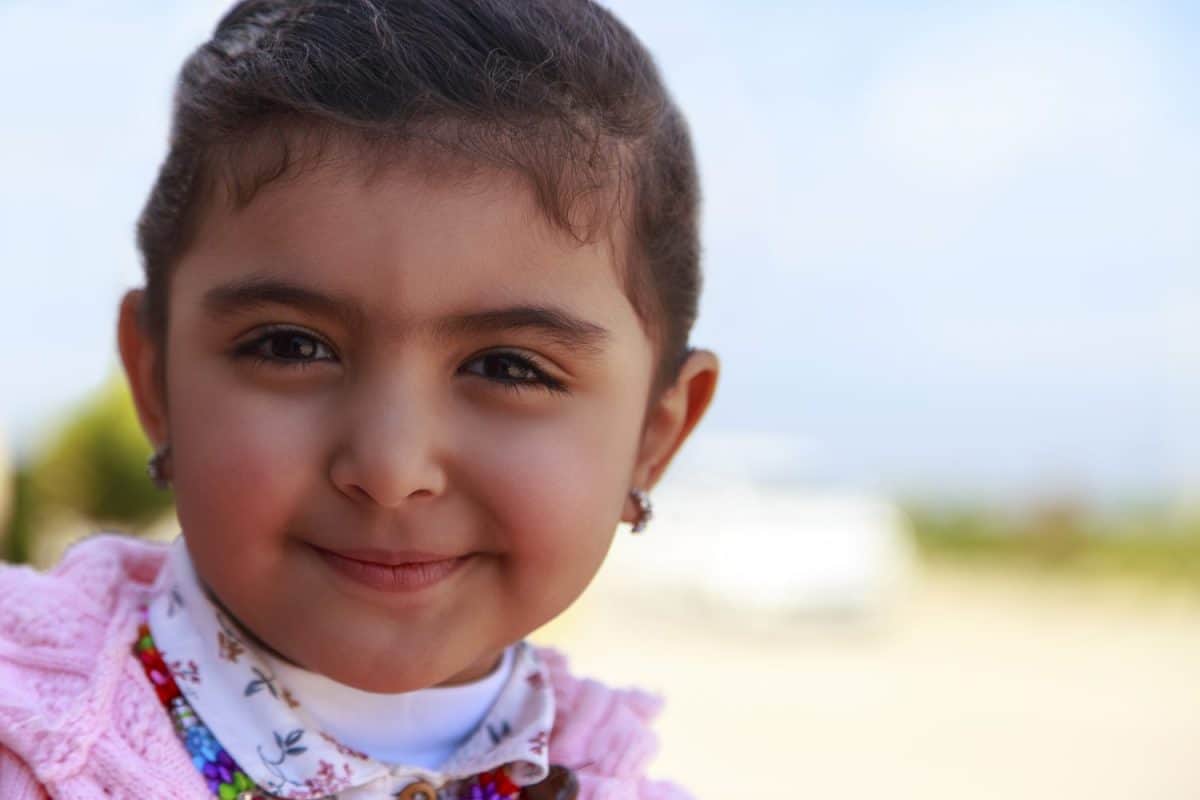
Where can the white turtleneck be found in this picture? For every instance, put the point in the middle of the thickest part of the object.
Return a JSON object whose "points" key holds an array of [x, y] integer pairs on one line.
{"points": [[422, 728]]}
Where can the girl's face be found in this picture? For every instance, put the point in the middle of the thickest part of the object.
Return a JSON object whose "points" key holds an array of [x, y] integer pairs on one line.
{"points": [[370, 373]]}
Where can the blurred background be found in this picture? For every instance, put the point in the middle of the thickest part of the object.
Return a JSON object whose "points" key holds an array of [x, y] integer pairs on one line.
{"points": [[940, 535]]}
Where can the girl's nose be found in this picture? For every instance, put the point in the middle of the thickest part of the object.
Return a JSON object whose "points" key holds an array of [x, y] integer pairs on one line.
{"points": [[388, 453]]}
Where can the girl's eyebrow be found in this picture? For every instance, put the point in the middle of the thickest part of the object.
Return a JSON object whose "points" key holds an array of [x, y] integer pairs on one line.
{"points": [[559, 325]]}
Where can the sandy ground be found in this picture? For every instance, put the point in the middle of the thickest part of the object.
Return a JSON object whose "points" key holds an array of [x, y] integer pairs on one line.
{"points": [[974, 686]]}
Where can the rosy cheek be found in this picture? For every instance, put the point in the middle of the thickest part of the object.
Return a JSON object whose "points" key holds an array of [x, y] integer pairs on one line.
{"points": [[550, 483], [241, 455]]}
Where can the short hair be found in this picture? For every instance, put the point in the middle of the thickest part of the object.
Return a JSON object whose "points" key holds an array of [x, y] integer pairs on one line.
{"points": [[558, 90]]}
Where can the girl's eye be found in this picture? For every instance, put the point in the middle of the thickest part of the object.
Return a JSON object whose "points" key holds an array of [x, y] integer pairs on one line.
{"points": [[513, 371], [287, 347]]}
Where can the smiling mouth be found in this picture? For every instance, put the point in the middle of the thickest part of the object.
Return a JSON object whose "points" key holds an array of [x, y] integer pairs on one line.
{"points": [[392, 572]]}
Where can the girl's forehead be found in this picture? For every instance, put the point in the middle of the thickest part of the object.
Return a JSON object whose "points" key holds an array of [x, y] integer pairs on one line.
{"points": [[404, 242]]}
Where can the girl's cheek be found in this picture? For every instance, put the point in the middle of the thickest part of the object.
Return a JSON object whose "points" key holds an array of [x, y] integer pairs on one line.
{"points": [[555, 481], [544, 499], [241, 452]]}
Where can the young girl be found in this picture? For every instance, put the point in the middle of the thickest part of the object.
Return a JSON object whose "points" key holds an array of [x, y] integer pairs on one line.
{"points": [[419, 281]]}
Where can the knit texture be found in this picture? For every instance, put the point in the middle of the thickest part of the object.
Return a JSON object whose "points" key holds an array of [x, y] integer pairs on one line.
{"points": [[79, 720]]}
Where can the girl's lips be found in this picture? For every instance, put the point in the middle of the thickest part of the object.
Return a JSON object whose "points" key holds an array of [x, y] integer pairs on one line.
{"points": [[393, 575], [390, 558]]}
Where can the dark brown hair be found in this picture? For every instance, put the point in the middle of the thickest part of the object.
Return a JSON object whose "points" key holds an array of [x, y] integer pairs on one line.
{"points": [[557, 90]]}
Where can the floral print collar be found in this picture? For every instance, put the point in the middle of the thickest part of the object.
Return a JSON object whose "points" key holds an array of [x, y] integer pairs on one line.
{"points": [[232, 687]]}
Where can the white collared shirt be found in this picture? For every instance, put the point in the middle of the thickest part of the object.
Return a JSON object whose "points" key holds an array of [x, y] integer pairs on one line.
{"points": [[300, 735]]}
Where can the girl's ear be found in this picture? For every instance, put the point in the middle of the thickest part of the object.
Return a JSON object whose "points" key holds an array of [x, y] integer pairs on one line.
{"points": [[141, 355], [671, 419]]}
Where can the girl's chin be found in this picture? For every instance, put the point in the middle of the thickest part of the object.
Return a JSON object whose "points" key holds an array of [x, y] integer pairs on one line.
{"points": [[360, 661], [398, 681]]}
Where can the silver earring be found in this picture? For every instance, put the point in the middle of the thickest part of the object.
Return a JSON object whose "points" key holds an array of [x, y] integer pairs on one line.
{"points": [[645, 510], [156, 467]]}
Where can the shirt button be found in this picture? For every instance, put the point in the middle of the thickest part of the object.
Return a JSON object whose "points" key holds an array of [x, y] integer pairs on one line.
{"points": [[418, 791]]}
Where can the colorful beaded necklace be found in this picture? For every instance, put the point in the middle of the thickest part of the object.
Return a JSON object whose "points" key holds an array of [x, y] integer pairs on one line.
{"points": [[227, 781], [225, 778]]}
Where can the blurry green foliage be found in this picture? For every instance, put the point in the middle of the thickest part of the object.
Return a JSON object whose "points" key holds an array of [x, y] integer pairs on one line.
{"points": [[18, 536], [95, 465], [1148, 543]]}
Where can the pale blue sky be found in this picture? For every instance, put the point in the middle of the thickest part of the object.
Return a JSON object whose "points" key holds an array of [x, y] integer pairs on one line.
{"points": [[948, 249]]}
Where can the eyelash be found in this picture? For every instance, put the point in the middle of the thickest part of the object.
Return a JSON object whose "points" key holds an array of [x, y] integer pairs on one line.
{"points": [[254, 349], [540, 379]]}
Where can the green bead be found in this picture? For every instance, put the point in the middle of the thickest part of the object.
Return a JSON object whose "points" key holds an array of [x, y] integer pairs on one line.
{"points": [[226, 792]]}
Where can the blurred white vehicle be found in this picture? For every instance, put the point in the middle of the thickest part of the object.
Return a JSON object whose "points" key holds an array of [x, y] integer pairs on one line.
{"points": [[733, 534]]}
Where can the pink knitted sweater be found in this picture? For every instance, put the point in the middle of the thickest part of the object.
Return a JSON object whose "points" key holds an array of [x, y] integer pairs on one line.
{"points": [[79, 720]]}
